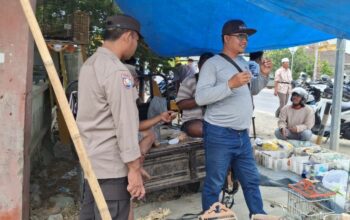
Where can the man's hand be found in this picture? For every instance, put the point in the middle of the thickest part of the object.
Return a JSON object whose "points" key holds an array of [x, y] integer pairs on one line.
{"points": [[294, 129], [135, 186], [275, 93], [239, 79], [168, 116], [284, 132], [266, 67]]}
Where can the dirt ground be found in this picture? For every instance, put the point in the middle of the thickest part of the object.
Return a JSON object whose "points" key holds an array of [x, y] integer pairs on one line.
{"points": [[55, 189]]}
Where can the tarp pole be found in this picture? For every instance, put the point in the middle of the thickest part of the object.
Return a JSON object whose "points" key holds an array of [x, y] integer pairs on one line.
{"points": [[316, 62], [337, 94], [67, 113]]}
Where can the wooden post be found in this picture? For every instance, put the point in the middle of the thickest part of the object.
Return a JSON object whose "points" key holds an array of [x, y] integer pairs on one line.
{"points": [[63, 69], [68, 116], [62, 126], [83, 52], [323, 123]]}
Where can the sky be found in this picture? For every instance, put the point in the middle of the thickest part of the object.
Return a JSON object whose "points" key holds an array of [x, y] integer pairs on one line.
{"points": [[347, 49]]}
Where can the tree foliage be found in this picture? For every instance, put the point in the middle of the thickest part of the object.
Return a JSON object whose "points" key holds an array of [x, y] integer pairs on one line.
{"points": [[326, 68], [301, 63], [156, 64], [53, 14]]}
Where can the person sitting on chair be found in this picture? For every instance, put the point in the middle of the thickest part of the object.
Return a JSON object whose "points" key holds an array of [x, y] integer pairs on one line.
{"points": [[296, 120], [192, 114]]}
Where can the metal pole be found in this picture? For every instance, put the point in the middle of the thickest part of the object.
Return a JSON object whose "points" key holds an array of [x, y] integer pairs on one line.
{"points": [[337, 94], [316, 62], [291, 68], [292, 51]]}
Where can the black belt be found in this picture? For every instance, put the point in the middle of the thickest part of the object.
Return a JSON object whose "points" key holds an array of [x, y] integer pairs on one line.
{"points": [[239, 131], [284, 82]]}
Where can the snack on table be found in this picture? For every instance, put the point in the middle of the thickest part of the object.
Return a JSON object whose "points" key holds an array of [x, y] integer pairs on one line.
{"points": [[275, 145]]}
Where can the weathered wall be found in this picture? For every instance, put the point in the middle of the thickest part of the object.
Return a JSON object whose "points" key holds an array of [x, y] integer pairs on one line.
{"points": [[16, 46], [40, 129]]}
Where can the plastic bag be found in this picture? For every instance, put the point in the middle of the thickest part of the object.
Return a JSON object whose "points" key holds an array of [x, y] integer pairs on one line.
{"points": [[336, 180]]}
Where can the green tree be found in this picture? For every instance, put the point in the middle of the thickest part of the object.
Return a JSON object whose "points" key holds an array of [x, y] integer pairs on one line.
{"points": [[276, 56], [326, 68], [53, 14], [302, 62]]}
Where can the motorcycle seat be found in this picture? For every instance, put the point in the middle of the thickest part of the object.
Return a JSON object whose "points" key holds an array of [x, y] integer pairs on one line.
{"points": [[345, 107]]}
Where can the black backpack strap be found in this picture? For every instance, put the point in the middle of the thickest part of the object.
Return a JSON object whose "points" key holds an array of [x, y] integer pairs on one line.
{"points": [[231, 61], [197, 77], [228, 59]]}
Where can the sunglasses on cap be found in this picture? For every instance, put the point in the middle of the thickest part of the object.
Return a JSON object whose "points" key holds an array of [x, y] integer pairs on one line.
{"points": [[240, 36]]}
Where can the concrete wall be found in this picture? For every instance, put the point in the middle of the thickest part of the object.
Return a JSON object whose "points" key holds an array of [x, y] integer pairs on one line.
{"points": [[40, 146], [16, 66]]}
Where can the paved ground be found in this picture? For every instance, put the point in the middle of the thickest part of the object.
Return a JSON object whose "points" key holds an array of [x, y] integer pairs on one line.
{"points": [[265, 101]]}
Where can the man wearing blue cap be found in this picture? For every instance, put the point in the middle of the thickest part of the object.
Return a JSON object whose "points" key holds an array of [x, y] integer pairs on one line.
{"points": [[226, 87]]}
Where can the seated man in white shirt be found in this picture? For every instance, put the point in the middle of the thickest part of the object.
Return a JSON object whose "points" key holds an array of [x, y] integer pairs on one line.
{"points": [[146, 134], [192, 114], [296, 120]]}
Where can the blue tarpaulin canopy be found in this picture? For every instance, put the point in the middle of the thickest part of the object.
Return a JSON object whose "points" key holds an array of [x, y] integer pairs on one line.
{"points": [[184, 28]]}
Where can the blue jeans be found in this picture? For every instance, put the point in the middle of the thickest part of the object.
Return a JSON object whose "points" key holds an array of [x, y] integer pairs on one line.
{"points": [[301, 136], [225, 147]]}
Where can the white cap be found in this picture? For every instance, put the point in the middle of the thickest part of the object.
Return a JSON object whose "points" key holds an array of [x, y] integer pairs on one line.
{"points": [[285, 60]]}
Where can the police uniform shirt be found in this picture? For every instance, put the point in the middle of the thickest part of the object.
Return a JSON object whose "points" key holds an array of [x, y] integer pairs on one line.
{"points": [[107, 114]]}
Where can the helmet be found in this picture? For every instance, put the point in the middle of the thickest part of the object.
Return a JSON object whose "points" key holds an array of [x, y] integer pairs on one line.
{"points": [[325, 78], [303, 75], [302, 93]]}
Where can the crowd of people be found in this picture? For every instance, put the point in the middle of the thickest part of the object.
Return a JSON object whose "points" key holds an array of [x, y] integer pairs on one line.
{"points": [[216, 104]]}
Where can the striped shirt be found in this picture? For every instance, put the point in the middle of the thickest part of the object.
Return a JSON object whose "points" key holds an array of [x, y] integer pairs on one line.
{"points": [[186, 91]]}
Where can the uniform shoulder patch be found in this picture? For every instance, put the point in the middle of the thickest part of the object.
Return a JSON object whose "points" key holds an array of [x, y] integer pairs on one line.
{"points": [[127, 80]]}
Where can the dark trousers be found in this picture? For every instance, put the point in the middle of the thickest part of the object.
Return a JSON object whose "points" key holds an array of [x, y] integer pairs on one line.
{"points": [[116, 195], [283, 101]]}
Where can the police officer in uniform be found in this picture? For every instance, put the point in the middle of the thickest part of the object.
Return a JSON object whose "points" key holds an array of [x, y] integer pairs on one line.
{"points": [[108, 120]]}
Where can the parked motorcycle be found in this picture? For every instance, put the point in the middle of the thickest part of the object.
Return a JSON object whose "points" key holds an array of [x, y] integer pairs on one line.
{"points": [[328, 92], [344, 117], [321, 93]]}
